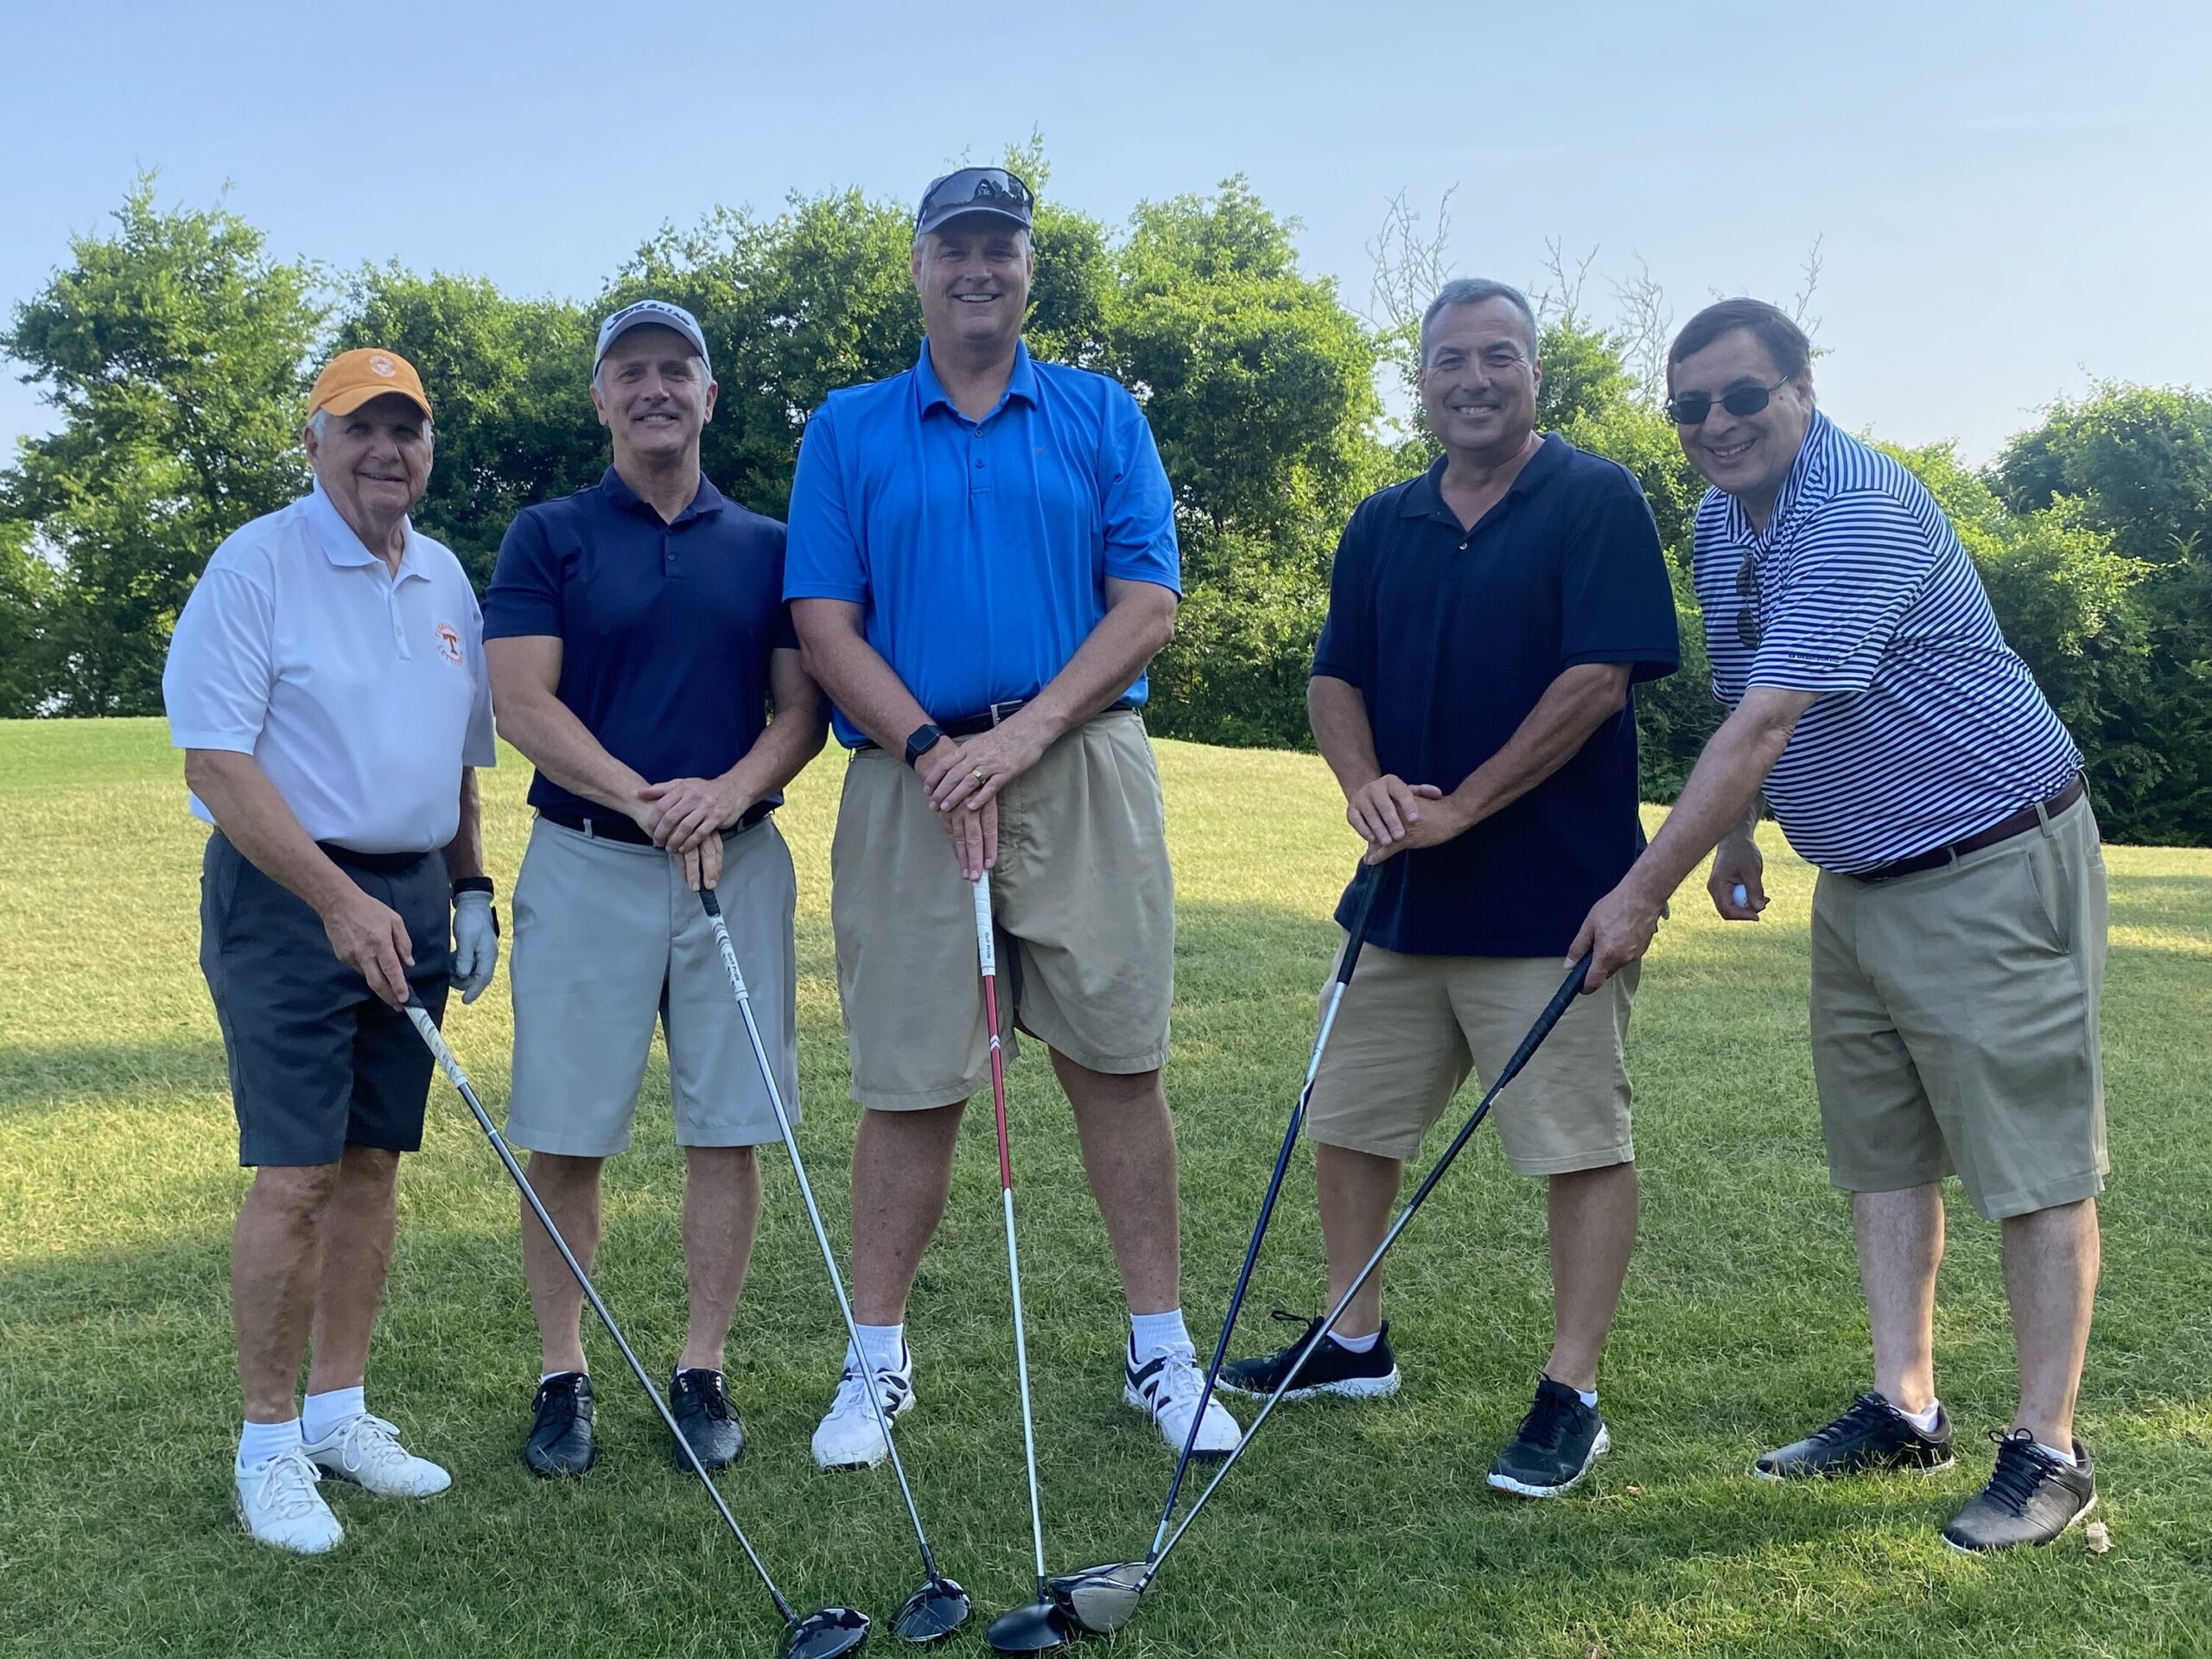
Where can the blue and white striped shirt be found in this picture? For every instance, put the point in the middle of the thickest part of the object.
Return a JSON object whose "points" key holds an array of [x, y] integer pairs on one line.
{"points": [[1928, 727]]}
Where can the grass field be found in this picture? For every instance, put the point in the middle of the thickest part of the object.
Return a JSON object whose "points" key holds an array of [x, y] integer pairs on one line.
{"points": [[1348, 1530]]}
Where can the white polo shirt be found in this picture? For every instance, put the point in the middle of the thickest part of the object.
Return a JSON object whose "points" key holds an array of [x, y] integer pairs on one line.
{"points": [[361, 693]]}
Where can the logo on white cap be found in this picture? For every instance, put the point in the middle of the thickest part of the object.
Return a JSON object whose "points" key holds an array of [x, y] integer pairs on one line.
{"points": [[384, 365]]}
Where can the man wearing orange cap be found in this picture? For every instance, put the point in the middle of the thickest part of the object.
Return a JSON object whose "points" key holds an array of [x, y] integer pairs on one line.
{"points": [[326, 683]]}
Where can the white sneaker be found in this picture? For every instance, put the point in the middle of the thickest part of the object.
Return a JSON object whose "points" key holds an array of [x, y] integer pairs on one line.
{"points": [[366, 1450], [850, 1437], [1166, 1388], [277, 1504]]}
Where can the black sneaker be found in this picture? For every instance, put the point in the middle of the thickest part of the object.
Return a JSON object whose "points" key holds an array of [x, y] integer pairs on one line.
{"points": [[1334, 1368], [1870, 1434], [703, 1412], [1558, 1442], [2031, 1497], [560, 1441]]}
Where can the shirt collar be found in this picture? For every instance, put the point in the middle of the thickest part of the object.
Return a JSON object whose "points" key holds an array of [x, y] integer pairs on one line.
{"points": [[1807, 481], [705, 500], [342, 547], [930, 392], [1424, 498]]}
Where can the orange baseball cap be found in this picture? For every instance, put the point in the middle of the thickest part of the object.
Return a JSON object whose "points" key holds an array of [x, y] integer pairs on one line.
{"points": [[351, 378]]}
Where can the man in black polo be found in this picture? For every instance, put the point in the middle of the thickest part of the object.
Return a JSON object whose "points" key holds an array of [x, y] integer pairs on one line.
{"points": [[1472, 694], [638, 637]]}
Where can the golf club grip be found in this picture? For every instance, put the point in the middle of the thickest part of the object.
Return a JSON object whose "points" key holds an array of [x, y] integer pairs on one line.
{"points": [[1364, 885], [712, 903], [1562, 999], [986, 949]]}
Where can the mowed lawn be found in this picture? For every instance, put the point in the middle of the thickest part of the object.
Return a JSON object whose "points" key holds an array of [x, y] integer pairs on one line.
{"points": [[1352, 1530]]}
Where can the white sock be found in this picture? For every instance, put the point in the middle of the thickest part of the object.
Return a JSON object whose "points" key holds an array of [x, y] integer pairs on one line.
{"points": [[2065, 1458], [1922, 1420], [1153, 1334], [258, 1442], [1355, 1344], [547, 1376], [1588, 1397], [323, 1412], [883, 1347]]}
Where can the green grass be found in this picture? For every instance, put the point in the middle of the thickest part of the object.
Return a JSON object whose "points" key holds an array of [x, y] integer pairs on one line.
{"points": [[1351, 1531]]}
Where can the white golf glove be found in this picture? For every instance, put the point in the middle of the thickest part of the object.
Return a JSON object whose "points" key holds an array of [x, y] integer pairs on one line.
{"points": [[475, 944]]}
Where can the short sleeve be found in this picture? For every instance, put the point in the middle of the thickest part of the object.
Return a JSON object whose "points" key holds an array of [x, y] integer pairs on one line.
{"points": [[480, 745], [1616, 602], [216, 684], [1346, 649], [822, 556], [1139, 506], [785, 637], [524, 601], [1851, 576]]}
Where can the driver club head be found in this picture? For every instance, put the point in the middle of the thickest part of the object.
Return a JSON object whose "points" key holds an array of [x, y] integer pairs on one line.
{"points": [[1099, 1600], [1037, 1628], [827, 1633], [934, 1610]]}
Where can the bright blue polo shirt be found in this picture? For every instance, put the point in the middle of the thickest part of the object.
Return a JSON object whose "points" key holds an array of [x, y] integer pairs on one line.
{"points": [[979, 550], [665, 629], [1452, 636]]}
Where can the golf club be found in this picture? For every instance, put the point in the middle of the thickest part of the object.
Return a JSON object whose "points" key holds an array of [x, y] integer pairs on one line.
{"points": [[1364, 883], [1101, 1600], [936, 1609], [1037, 1626], [826, 1633]]}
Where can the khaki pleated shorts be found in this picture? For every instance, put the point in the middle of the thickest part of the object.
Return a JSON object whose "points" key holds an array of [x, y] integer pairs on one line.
{"points": [[1083, 899], [1411, 1028], [1954, 1022]]}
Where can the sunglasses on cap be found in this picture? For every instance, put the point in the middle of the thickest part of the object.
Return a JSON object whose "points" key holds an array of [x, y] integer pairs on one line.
{"points": [[975, 189], [1690, 408]]}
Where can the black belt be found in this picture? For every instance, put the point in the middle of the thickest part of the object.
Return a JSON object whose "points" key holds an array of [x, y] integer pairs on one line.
{"points": [[2017, 823], [615, 826], [374, 863], [998, 713]]}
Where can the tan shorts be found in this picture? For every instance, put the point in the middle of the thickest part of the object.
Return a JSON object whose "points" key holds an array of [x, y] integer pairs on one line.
{"points": [[1412, 1027], [1082, 895], [1954, 1022]]}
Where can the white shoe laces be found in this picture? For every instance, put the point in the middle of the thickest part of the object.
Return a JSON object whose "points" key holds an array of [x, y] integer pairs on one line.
{"points": [[288, 1486], [1179, 1381], [366, 1442], [852, 1393]]}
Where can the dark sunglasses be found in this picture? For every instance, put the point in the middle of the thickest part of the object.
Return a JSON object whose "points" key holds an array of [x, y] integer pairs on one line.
{"points": [[1690, 408], [978, 186], [1748, 631]]}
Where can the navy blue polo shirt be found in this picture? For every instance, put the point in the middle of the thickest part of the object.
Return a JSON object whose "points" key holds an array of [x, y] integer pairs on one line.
{"points": [[665, 629], [1452, 636]]}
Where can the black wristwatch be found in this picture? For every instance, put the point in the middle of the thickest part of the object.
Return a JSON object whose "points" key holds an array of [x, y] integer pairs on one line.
{"points": [[924, 738]]}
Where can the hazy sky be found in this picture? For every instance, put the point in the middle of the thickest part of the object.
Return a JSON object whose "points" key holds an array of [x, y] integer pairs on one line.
{"points": [[2012, 198]]}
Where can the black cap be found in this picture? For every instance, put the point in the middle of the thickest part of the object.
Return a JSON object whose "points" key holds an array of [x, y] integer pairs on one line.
{"points": [[991, 190]]}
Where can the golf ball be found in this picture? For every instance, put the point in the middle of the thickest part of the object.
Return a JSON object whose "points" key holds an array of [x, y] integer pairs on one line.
{"points": [[1740, 896]]}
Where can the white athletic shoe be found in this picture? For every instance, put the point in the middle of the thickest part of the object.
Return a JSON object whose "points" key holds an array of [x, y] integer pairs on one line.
{"points": [[277, 1504], [850, 1437], [1166, 1388], [366, 1450]]}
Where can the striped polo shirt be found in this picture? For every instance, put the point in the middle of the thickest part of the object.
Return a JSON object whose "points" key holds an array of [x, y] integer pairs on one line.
{"points": [[1928, 727]]}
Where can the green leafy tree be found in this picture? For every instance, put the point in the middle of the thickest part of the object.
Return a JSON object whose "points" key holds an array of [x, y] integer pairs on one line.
{"points": [[29, 673]]}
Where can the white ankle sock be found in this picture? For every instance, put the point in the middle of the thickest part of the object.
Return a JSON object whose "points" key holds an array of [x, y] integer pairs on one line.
{"points": [[1355, 1344], [2066, 1457], [883, 1347], [547, 1376], [258, 1442], [1152, 1334], [321, 1413], [1922, 1420]]}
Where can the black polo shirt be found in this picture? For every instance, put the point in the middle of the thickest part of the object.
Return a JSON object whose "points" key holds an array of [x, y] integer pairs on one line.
{"points": [[665, 629], [1452, 636]]}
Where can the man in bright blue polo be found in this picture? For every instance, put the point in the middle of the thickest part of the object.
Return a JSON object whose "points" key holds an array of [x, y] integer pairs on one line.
{"points": [[638, 639], [1471, 692], [983, 562]]}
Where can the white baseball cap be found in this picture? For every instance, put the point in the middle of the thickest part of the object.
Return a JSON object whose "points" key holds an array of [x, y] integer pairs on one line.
{"points": [[657, 313]]}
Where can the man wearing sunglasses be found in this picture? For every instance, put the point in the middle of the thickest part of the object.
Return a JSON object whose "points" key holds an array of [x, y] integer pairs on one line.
{"points": [[1958, 926], [982, 561]]}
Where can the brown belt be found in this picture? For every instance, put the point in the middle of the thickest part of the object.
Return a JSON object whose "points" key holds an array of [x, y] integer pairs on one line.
{"points": [[2005, 828]]}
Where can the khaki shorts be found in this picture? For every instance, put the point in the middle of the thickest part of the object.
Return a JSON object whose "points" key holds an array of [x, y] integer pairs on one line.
{"points": [[608, 939], [1954, 1022], [1412, 1027], [1084, 899]]}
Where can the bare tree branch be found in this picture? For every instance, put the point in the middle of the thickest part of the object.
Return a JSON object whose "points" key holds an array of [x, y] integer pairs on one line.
{"points": [[1646, 329], [1557, 297]]}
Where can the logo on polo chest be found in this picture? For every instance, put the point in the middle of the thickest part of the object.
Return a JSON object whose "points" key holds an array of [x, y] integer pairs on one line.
{"points": [[449, 643]]}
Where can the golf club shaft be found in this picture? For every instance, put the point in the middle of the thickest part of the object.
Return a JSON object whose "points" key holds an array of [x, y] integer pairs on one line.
{"points": [[1365, 882], [986, 956], [447, 1063], [1550, 1016], [712, 902]]}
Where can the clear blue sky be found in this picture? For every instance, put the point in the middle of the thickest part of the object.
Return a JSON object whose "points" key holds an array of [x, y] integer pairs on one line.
{"points": [[2013, 197]]}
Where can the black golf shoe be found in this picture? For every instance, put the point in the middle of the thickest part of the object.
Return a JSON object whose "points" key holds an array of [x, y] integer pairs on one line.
{"points": [[709, 1422], [1558, 1442], [2031, 1497], [1870, 1434], [1334, 1369], [560, 1441]]}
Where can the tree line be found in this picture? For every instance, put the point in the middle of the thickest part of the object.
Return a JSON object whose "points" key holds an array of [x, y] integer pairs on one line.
{"points": [[175, 349]]}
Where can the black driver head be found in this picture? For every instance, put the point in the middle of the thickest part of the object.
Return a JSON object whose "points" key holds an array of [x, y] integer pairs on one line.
{"points": [[1036, 1628], [826, 1634], [936, 1610], [1099, 1600]]}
